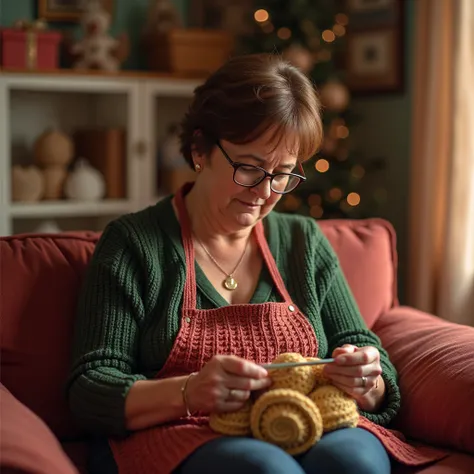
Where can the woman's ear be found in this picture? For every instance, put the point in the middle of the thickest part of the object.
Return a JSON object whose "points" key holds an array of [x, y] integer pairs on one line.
{"points": [[197, 158], [197, 151]]}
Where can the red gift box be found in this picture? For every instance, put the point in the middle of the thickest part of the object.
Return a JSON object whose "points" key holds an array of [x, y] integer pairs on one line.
{"points": [[30, 48]]}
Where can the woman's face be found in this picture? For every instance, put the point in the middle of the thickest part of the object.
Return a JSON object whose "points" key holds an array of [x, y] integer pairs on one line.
{"points": [[235, 206]]}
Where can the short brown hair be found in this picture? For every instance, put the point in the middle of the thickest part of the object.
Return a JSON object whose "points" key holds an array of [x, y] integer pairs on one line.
{"points": [[247, 96]]}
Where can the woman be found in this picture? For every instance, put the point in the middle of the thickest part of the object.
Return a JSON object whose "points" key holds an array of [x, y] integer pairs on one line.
{"points": [[185, 299]]}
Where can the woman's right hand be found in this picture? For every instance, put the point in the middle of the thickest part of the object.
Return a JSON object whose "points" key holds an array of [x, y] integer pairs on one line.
{"points": [[224, 384]]}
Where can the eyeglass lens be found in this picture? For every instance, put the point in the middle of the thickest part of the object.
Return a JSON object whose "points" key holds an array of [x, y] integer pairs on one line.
{"points": [[251, 176]]}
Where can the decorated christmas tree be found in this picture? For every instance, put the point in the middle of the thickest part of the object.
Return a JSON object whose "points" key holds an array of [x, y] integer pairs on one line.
{"points": [[311, 35]]}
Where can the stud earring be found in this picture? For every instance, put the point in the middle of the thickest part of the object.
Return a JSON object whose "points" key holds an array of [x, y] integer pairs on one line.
{"points": [[197, 167]]}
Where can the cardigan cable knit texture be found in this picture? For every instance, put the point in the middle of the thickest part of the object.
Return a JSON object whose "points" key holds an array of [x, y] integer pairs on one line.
{"points": [[138, 318]]}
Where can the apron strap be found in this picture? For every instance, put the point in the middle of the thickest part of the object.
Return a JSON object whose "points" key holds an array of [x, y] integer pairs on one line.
{"points": [[270, 262], [189, 297]]}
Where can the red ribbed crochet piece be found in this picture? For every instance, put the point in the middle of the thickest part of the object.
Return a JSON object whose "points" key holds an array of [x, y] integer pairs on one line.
{"points": [[257, 332]]}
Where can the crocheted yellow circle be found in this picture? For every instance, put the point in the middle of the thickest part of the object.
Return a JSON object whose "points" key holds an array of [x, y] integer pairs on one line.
{"points": [[301, 379], [337, 409], [288, 419], [235, 423]]}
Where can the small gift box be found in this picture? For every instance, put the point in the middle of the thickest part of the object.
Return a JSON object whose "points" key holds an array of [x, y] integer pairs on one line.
{"points": [[29, 45]]}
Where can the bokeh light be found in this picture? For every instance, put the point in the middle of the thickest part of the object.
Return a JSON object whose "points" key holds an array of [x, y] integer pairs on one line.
{"points": [[284, 33], [339, 30], [316, 211], [342, 131], [358, 172], [261, 15], [314, 200], [353, 199], [268, 27], [342, 19], [322, 165], [335, 194], [328, 36]]}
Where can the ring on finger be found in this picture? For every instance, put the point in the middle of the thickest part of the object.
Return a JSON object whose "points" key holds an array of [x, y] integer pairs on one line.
{"points": [[364, 381], [238, 395]]}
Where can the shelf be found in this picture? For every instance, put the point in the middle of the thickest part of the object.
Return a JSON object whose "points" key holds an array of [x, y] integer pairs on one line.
{"points": [[103, 83], [123, 74], [69, 208], [98, 81]]}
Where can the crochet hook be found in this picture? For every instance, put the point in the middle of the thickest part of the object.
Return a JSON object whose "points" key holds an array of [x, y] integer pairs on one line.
{"points": [[288, 365]]}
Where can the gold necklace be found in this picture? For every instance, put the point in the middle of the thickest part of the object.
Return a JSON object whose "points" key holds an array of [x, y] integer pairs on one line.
{"points": [[229, 282]]}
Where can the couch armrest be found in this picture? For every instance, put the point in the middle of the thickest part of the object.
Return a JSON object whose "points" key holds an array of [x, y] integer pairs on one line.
{"points": [[435, 363], [27, 445]]}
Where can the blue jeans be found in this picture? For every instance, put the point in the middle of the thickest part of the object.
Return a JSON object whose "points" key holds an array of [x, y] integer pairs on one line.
{"points": [[345, 451], [353, 450]]}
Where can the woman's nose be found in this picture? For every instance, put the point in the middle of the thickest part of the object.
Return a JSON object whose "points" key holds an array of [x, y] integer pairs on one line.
{"points": [[263, 190]]}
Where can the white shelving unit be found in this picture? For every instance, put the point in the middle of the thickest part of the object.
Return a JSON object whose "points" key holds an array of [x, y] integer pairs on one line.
{"points": [[144, 105]]}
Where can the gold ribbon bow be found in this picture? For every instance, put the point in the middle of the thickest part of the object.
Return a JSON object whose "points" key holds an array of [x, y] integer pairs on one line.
{"points": [[31, 28]]}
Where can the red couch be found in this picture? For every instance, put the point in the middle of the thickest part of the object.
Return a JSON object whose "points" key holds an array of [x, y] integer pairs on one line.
{"points": [[40, 276]]}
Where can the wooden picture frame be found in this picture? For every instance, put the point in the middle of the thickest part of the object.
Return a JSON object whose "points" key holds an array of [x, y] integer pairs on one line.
{"points": [[374, 47], [69, 11]]}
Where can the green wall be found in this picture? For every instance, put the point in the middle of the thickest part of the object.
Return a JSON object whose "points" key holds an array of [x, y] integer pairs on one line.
{"points": [[385, 131], [129, 16]]}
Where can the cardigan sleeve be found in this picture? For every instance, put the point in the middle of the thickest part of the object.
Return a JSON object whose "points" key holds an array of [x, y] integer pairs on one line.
{"points": [[343, 324], [104, 360]]}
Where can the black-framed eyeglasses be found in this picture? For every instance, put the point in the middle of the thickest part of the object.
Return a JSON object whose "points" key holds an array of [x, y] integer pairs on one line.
{"points": [[250, 176]]}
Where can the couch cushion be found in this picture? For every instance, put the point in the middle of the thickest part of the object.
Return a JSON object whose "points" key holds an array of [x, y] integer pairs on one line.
{"points": [[40, 283], [26, 443], [367, 252], [435, 362]]}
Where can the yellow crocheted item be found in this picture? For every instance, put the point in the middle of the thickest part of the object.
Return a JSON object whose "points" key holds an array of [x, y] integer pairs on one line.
{"points": [[337, 409], [235, 423], [300, 405], [301, 379], [318, 372], [288, 419]]}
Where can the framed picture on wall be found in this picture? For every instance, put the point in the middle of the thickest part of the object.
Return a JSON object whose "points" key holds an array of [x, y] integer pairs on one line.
{"points": [[374, 48], [67, 10]]}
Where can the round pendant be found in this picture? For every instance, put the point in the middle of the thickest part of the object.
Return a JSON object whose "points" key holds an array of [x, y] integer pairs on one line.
{"points": [[230, 283]]}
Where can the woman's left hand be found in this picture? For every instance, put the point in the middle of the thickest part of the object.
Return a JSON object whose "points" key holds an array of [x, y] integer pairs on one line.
{"points": [[357, 371]]}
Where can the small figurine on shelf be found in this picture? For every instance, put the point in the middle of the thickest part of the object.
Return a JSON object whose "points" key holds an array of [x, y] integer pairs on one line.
{"points": [[27, 183], [53, 152], [97, 49]]}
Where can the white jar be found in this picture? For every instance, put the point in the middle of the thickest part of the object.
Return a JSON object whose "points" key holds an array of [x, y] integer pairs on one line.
{"points": [[85, 183]]}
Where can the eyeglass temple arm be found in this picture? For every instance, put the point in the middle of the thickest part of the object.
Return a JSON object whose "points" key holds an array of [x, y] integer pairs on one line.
{"points": [[301, 170], [227, 157]]}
